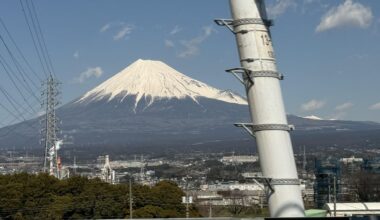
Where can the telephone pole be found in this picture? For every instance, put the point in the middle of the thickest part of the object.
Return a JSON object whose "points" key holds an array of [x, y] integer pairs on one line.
{"points": [[49, 103], [304, 163], [258, 74], [130, 199]]}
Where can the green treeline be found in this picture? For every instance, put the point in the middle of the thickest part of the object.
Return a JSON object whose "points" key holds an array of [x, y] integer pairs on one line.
{"points": [[26, 196]]}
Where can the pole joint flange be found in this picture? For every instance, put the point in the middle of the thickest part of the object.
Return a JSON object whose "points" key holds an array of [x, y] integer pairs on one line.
{"points": [[243, 21], [267, 73], [251, 128], [285, 181], [271, 182], [265, 127]]}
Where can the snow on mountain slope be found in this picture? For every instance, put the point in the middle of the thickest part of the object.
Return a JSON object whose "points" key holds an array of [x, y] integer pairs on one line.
{"points": [[156, 80], [313, 117]]}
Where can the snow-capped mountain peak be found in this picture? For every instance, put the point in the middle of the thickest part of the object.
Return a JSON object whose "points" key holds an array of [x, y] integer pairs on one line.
{"points": [[156, 80], [313, 117]]}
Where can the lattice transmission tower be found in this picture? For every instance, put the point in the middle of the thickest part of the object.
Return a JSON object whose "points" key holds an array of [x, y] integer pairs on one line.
{"points": [[49, 123]]}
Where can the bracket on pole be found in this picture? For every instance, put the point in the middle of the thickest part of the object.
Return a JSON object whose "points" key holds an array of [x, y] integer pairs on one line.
{"points": [[247, 127], [225, 22], [243, 72], [230, 24]]}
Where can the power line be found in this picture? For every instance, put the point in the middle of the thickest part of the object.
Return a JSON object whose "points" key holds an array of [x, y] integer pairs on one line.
{"points": [[18, 66], [12, 101], [33, 39], [18, 49], [30, 125], [14, 83], [42, 37]]}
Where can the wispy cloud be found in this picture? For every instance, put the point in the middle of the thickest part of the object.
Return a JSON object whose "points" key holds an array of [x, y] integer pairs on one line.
{"points": [[347, 14], [169, 43], [122, 29], [375, 106], [344, 106], [341, 110], [125, 30], [191, 47], [338, 116], [280, 7], [76, 55], [312, 105], [90, 72], [105, 27], [175, 30]]}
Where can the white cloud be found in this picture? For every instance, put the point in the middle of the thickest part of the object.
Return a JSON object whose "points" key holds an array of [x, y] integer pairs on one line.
{"points": [[338, 116], [175, 30], [76, 55], [192, 45], [105, 27], [344, 106], [312, 105], [280, 7], [122, 29], [375, 106], [125, 30], [347, 14], [169, 43], [90, 72]]}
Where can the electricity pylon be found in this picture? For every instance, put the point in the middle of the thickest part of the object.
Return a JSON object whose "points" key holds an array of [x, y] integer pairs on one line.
{"points": [[49, 132]]}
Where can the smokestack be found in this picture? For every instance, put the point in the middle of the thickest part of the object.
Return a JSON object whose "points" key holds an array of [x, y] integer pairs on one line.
{"points": [[269, 125]]}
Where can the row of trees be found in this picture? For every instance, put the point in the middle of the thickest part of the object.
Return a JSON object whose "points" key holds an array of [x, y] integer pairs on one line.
{"points": [[26, 196]]}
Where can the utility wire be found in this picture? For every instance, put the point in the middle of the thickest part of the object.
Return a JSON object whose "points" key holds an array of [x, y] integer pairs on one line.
{"points": [[18, 50], [13, 102], [18, 66], [14, 83], [39, 39], [42, 37], [33, 39], [8, 71]]}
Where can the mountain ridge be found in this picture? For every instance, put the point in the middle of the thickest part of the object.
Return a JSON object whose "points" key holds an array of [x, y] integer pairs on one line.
{"points": [[142, 116], [155, 80]]}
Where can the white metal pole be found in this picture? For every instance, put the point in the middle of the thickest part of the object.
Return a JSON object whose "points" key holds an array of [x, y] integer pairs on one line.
{"points": [[334, 196], [270, 125], [130, 199]]}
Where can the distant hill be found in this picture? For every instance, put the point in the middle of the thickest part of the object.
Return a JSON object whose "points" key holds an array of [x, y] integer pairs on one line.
{"points": [[151, 104]]}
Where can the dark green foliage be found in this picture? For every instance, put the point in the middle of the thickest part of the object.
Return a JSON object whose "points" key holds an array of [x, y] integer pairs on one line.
{"points": [[25, 196]]}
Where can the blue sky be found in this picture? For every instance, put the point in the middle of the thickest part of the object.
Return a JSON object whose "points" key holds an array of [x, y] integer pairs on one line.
{"points": [[328, 50]]}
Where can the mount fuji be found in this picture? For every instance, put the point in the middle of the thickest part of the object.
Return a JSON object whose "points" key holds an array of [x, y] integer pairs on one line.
{"points": [[149, 82], [150, 104], [147, 103]]}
